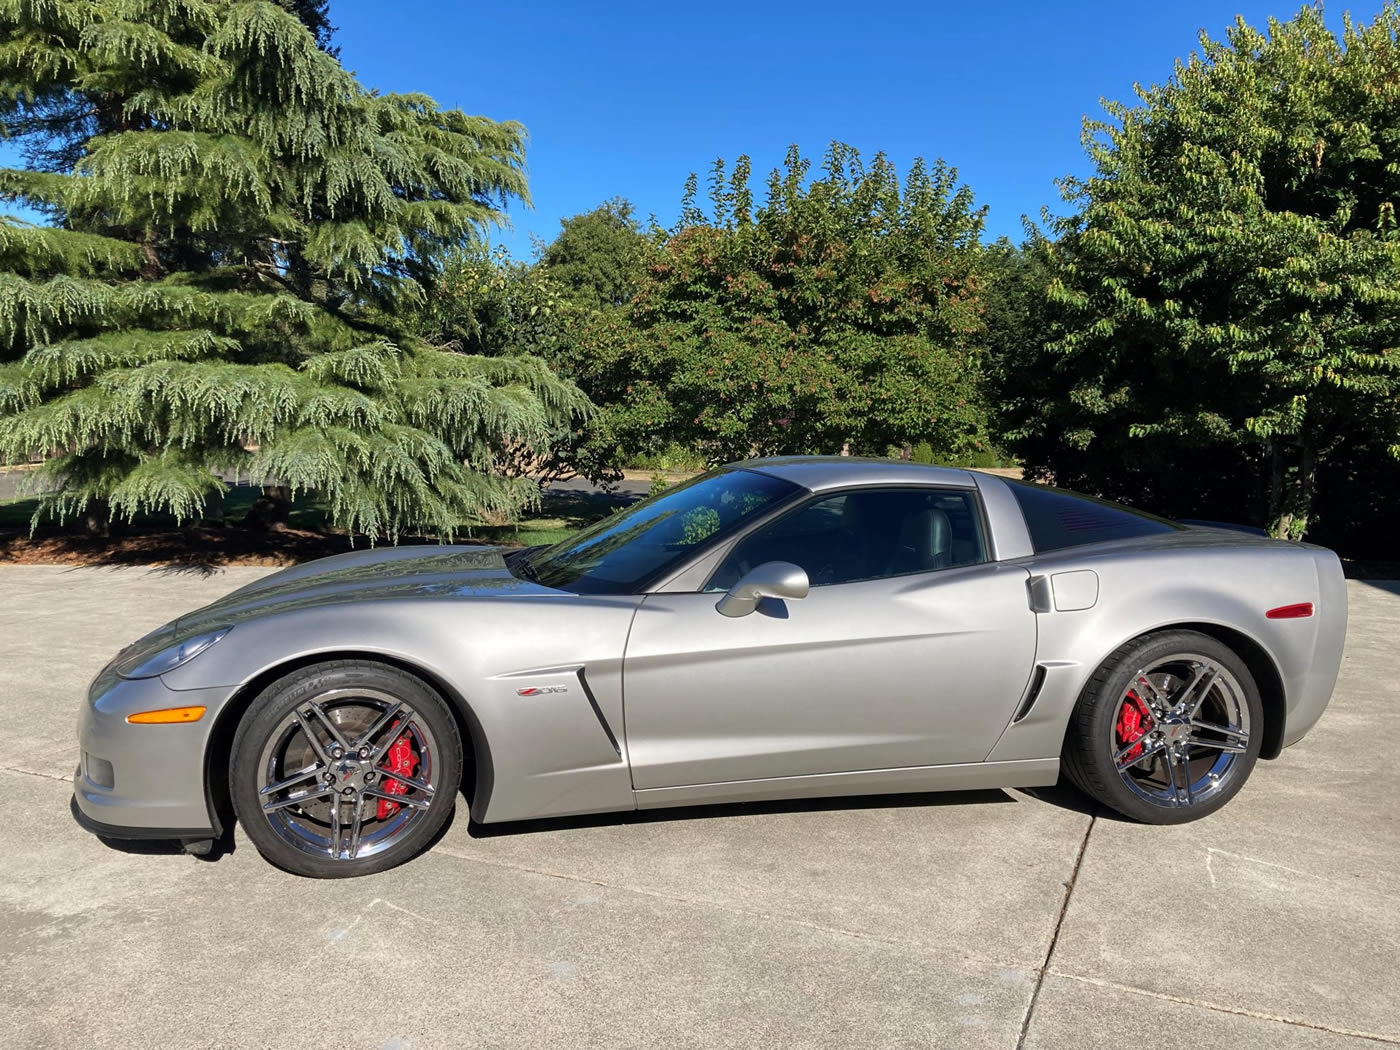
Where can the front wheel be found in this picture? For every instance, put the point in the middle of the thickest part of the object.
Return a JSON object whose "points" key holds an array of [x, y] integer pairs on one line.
{"points": [[1167, 730], [345, 768]]}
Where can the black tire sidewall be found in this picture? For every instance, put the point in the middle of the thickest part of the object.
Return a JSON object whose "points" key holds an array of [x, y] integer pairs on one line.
{"points": [[274, 703], [1089, 757]]}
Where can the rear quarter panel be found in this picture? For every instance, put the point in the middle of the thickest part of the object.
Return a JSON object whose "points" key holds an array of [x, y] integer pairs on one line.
{"points": [[1204, 577]]}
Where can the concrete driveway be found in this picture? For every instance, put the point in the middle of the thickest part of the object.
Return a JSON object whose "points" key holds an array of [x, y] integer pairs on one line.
{"points": [[992, 919]]}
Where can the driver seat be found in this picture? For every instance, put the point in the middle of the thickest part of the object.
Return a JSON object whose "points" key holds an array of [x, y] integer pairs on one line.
{"points": [[925, 542]]}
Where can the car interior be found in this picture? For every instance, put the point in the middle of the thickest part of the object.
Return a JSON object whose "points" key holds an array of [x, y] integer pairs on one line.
{"points": [[865, 535]]}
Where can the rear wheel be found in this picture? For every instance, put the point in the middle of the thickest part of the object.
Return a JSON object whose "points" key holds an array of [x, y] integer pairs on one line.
{"points": [[1167, 730], [345, 768]]}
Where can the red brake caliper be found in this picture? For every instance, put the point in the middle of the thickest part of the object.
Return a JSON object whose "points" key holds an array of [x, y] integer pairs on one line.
{"points": [[1134, 721], [399, 759]]}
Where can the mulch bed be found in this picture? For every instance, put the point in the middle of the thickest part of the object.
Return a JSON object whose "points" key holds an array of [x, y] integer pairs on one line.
{"points": [[196, 547]]}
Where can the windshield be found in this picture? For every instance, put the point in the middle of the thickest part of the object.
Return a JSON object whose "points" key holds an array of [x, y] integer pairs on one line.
{"points": [[625, 551]]}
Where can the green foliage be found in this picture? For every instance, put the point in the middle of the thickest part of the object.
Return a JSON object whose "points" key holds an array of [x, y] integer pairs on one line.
{"points": [[1228, 293], [922, 453], [490, 306], [239, 229], [600, 257], [1017, 320], [672, 459], [315, 15], [842, 313]]}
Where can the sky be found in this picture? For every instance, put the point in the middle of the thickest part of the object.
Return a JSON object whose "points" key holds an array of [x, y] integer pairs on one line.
{"points": [[626, 99]]}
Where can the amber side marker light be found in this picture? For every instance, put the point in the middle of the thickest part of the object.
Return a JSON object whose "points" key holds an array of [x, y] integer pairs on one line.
{"points": [[166, 716], [1291, 612]]}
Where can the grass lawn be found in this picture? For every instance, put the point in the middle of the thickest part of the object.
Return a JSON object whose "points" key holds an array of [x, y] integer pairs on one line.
{"points": [[560, 516]]}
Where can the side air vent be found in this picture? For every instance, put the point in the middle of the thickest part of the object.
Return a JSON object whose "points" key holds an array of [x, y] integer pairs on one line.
{"points": [[1032, 694], [598, 712]]}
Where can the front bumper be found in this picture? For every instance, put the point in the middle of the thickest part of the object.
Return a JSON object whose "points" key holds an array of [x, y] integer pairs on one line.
{"points": [[144, 781], [121, 831]]}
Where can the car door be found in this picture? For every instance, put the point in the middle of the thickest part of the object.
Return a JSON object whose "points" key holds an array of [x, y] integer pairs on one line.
{"points": [[911, 649]]}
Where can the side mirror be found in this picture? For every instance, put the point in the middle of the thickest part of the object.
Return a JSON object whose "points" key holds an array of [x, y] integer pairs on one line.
{"points": [[772, 579]]}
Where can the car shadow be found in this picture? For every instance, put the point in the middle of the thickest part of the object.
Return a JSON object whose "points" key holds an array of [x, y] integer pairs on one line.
{"points": [[219, 847], [1059, 796], [222, 847], [1388, 586]]}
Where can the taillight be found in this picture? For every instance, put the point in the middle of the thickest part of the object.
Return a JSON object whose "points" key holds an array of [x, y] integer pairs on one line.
{"points": [[1291, 612]]}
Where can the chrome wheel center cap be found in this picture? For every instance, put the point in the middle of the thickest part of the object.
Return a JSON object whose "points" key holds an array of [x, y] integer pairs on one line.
{"points": [[348, 771], [1175, 732]]}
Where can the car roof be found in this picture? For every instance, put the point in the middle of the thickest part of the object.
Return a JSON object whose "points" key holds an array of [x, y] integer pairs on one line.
{"points": [[819, 473]]}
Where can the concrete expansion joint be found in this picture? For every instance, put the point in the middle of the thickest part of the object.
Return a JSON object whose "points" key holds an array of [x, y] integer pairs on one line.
{"points": [[33, 773], [1055, 934], [1046, 969]]}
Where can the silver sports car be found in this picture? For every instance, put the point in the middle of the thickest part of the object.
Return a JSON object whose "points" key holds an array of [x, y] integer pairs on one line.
{"points": [[773, 629]]}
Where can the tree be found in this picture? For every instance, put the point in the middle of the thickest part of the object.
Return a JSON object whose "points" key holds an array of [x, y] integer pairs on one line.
{"points": [[491, 305], [841, 313], [600, 256], [315, 15], [1016, 316], [238, 229], [1228, 291]]}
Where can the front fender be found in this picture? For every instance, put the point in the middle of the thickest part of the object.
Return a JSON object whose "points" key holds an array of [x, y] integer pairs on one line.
{"points": [[554, 750]]}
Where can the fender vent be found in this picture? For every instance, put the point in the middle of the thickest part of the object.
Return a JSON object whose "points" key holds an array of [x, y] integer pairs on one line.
{"points": [[598, 712], [1032, 694]]}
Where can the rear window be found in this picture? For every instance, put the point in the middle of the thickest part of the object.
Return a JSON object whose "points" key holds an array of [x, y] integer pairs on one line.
{"points": [[1058, 518]]}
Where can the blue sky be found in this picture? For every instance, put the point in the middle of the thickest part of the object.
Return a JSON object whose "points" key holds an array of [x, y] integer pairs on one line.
{"points": [[624, 98]]}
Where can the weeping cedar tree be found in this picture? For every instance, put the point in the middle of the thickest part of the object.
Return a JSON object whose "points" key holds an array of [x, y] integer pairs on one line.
{"points": [[315, 15], [841, 312], [1229, 290], [236, 226]]}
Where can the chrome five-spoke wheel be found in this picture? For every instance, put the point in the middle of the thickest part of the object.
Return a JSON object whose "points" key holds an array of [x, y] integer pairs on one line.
{"points": [[1167, 729], [345, 768], [347, 772], [1182, 725]]}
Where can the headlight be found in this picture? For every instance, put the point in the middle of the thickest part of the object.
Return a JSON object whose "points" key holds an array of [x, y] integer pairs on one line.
{"points": [[146, 664]]}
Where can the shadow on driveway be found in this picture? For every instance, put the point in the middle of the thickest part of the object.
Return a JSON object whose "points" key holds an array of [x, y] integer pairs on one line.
{"points": [[1061, 797]]}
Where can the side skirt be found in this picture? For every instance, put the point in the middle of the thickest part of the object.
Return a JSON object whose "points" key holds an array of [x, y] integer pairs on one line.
{"points": [[969, 776]]}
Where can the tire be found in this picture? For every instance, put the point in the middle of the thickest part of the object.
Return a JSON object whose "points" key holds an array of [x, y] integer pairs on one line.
{"points": [[1134, 745], [298, 791]]}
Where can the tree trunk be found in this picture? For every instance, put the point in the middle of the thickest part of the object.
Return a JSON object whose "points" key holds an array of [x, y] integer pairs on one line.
{"points": [[1291, 487], [98, 520], [271, 510]]}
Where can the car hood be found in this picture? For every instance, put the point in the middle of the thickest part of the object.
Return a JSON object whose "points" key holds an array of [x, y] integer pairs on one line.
{"points": [[392, 573]]}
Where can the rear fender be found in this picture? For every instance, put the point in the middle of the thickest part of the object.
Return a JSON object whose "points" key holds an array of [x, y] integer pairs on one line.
{"points": [[1142, 593]]}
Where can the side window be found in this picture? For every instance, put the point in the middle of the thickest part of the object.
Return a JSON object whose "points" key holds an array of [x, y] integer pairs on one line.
{"points": [[865, 534]]}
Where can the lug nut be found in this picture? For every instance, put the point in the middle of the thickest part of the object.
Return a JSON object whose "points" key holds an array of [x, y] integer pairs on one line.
{"points": [[329, 778], [364, 752], [347, 791], [369, 778], [336, 752]]}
